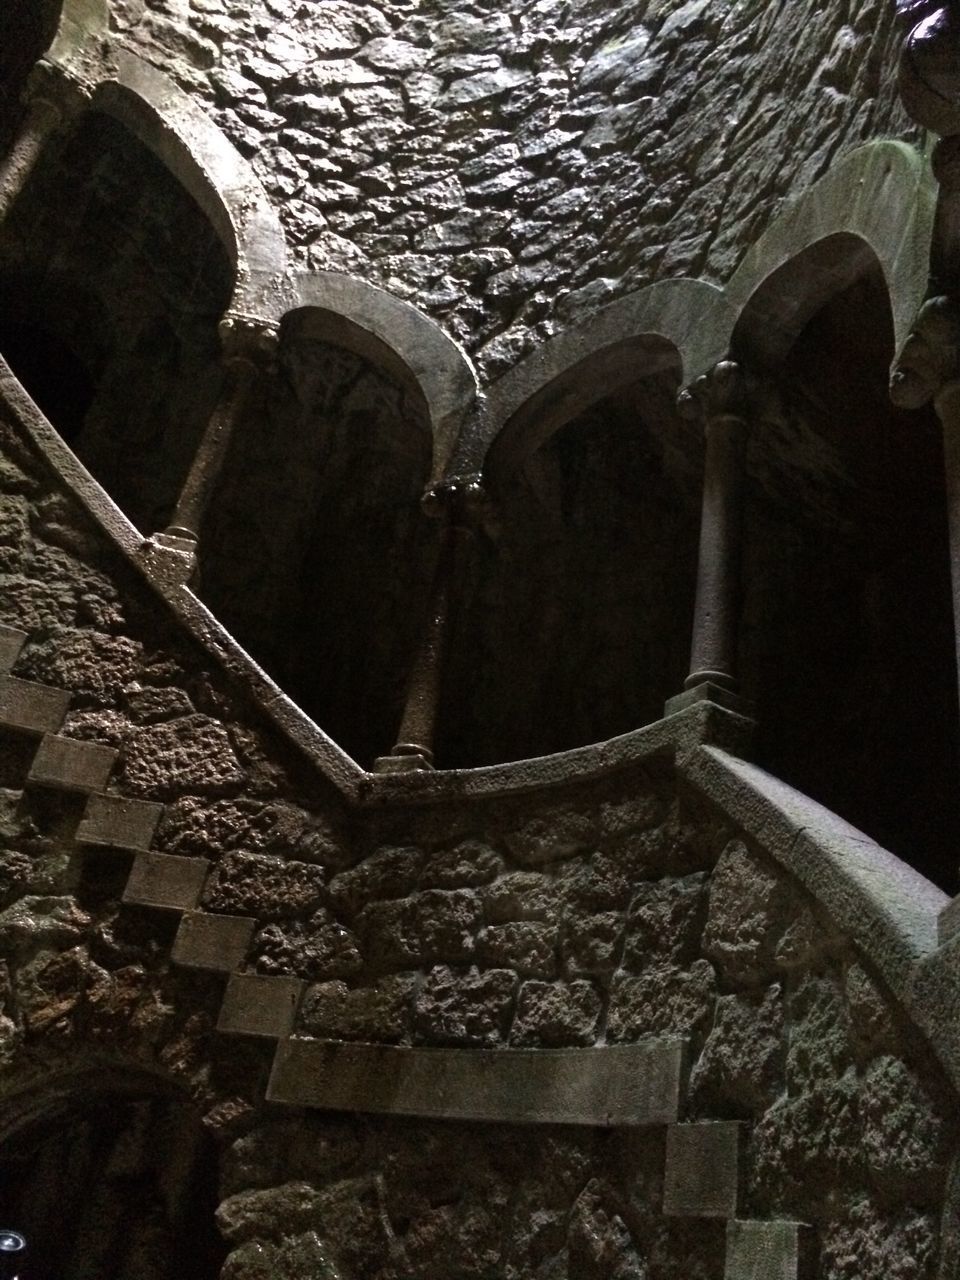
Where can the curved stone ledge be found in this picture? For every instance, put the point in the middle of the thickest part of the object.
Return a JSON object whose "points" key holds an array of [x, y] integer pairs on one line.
{"points": [[889, 910], [635, 1085]]}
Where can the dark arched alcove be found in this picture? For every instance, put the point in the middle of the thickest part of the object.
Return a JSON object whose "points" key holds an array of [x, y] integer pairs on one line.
{"points": [[113, 1186], [27, 28], [574, 622], [847, 636], [316, 553], [112, 283]]}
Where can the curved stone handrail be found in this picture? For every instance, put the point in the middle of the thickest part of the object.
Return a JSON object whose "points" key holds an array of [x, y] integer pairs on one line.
{"points": [[197, 620], [890, 911]]}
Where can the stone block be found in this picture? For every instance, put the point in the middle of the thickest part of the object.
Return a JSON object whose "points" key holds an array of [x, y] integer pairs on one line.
{"points": [[119, 823], [768, 1251], [380, 1012], [255, 1004], [635, 1085], [31, 707], [72, 765], [165, 880], [709, 692], [703, 1170], [206, 941], [12, 641]]}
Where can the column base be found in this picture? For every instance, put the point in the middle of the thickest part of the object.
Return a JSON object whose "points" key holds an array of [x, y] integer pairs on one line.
{"points": [[708, 691], [404, 758], [171, 558]]}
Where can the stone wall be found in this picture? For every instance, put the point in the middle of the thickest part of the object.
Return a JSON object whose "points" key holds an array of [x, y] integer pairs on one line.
{"points": [[620, 913], [607, 913], [512, 172]]}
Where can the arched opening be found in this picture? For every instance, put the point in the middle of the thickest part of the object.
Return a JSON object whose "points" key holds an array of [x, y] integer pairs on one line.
{"points": [[316, 553], [106, 1183], [847, 633], [574, 624], [112, 283]]}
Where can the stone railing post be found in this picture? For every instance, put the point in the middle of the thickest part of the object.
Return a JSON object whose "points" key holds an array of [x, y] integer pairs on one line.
{"points": [[248, 346], [927, 371], [723, 401], [459, 505]]}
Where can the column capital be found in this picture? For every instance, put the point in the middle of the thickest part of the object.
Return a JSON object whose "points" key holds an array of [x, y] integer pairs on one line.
{"points": [[930, 358], [463, 501], [248, 339], [728, 390]]}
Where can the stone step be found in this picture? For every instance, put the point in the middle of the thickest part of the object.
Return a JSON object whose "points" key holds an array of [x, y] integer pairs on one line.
{"points": [[636, 1085], [165, 881], [114, 822], [30, 707], [702, 1177], [70, 764], [769, 1251], [207, 941], [257, 1004]]}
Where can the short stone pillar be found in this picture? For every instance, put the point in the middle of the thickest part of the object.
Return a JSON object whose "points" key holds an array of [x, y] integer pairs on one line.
{"points": [[459, 503], [249, 345], [723, 400]]}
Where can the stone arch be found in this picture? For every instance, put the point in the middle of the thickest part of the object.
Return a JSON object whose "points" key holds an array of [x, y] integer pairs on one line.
{"points": [[82, 24], [108, 1163], [689, 318], [588, 466], [879, 202], [324, 481], [845, 506], [163, 288], [197, 153], [350, 312]]}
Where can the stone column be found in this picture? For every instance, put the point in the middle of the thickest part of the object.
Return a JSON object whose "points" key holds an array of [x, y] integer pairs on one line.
{"points": [[42, 120], [928, 371], [248, 346], [458, 504], [721, 400]]}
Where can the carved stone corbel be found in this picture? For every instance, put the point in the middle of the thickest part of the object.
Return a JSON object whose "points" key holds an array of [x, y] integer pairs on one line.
{"points": [[249, 345], [727, 401], [463, 505]]}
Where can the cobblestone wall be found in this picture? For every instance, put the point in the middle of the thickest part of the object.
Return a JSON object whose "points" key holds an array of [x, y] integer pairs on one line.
{"points": [[513, 171], [613, 915]]}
